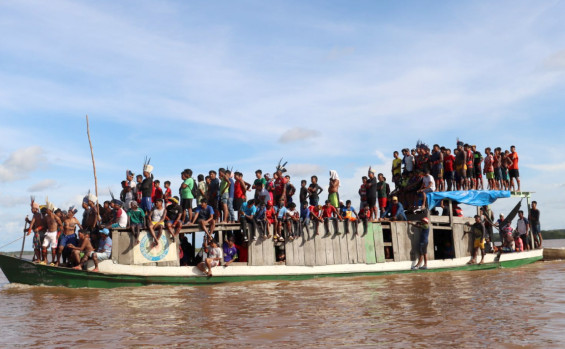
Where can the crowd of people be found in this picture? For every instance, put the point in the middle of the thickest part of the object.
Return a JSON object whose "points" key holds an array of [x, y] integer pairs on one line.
{"points": [[266, 207]]}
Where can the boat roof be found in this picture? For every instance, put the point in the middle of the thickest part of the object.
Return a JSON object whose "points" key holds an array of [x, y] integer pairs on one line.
{"points": [[471, 197]]}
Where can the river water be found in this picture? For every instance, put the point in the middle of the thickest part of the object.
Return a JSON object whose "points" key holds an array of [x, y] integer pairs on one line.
{"points": [[505, 308]]}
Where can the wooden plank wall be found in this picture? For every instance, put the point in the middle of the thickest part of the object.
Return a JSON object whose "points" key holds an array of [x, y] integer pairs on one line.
{"points": [[463, 245]]}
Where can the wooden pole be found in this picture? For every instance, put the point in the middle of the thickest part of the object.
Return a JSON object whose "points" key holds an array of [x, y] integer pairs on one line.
{"points": [[92, 154]]}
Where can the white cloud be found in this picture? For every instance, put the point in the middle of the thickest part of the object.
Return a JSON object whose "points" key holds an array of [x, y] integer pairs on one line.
{"points": [[555, 61], [547, 167], [20, 163], [298, 134], [304, 170], [43, 185]]}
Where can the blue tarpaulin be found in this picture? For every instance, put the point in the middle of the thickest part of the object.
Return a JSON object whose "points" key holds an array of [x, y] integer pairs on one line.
{"points": [[468, 197]]}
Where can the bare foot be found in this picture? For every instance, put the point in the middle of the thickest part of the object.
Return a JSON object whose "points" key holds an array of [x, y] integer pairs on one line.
{"points": [[95, 269], [77, 268]]}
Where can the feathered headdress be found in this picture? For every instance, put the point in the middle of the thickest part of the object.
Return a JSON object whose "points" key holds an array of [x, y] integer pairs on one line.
{"points": [[146, 166], [89, 197], [459, 143], [281, 167], [129, 173], [114, 200], [34, 205], [49, 205], [422, 145]]}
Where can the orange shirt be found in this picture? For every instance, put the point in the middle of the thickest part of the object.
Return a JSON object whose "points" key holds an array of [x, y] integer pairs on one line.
{"points": [[514, 158]]}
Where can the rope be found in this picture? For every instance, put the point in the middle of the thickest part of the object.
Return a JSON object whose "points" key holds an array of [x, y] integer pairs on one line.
{"points": [[1, 247]]}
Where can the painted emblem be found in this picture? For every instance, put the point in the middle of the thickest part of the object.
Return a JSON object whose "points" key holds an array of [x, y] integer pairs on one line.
{"points": [[156, 253]]}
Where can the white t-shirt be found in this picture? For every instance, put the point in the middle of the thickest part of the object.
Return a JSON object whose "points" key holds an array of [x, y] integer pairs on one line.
{"points": [[408, 163], [427, 180], [215, 252], [123, 220], [521, 226], [157, 215]]}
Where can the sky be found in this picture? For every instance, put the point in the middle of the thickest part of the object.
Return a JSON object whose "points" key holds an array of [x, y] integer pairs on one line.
{"points": [[323, 84]]}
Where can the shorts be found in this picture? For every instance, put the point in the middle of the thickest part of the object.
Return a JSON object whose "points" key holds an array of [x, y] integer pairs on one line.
{"points": [[470, 172], [137, 225], [116, 225], [38, 239], [68, 239], [160, 223], [237, 203], [334, 200], [514, 173], [101, 256], [382, 203], [504, 173], [478, 172], [50, 239], [214, 263], [423, 247], [371, 202], [490, 175], [536, 228], [461, 170], [449, 175], [186, 204], [225, 197], [479, 243], [314, 200], [497, 174], [172, 222], [146, 204], [437, 173]]}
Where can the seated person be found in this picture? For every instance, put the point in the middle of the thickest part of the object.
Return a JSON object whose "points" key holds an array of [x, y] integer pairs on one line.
{"points": [[395, 211], [136, 220], [330, 213], [213, 258], [292, 221], [204, 217], [104, 251], [174, 213], [81, 253], [230, 252], [156, 221]]}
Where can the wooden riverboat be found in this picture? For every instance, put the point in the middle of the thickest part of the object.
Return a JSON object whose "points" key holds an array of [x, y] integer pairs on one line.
{"points": [[378, 248]]}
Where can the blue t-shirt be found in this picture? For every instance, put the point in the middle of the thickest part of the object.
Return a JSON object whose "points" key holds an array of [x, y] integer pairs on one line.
{"points": [[229, 252], [282, 212], [248, 210], [205, 213], [304, 213], [232, 183], [105, 245], [260, 214]]}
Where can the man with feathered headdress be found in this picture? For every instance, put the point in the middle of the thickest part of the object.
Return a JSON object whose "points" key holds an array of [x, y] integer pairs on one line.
{"points": [[280, 183], [147, 186], [37, 225], [52, 222]]}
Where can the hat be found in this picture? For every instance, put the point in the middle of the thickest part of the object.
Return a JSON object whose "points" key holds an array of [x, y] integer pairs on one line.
{"points": [[146, 166], [174, 199], [117, 202], [129, 173], [72, 210], [394, 198], [133, 203], [425, 220], [105, 231], [267, 175]]}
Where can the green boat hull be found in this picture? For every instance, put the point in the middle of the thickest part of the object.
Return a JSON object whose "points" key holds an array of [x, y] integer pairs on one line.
{"points": [[25, 272]]}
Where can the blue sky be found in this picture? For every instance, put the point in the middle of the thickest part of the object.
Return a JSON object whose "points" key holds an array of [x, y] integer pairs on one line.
{"points": [[324, 84]]}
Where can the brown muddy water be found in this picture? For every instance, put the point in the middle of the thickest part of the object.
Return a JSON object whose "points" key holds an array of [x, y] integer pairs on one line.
{"points": [[504, 308]]}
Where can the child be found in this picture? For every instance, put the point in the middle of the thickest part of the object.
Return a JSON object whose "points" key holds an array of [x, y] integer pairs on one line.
{"points": [[156, 221], [261, 219], [293, 221], [329, 213], [304, 217], [158, 192], [303, 193], [348, 213], [270, 216], [136, 219], [315, 215], [281, 219], [126, 195], [247, 215], [168, 193]]}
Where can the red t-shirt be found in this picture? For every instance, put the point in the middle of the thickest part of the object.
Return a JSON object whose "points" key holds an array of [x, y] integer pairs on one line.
{"points": [[514, 158], [157, 194], [168, 194], [270, 214], [470, 158], [238, 190], [327, 211], [279, 185], [448, 162]]}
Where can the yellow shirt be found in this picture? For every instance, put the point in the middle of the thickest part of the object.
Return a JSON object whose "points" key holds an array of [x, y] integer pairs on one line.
{"points": [[395, 163]]}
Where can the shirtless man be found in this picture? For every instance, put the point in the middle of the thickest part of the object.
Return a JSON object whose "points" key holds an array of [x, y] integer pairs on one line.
{"points": [[85, 247], [461, 166], [69, 237], [37, 225], [52, 223]]}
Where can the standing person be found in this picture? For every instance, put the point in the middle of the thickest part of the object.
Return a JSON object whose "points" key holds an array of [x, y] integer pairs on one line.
{"points": [[231, 213], [477, 161], [478, 234], [303, 195], [535, 224], [396, 169], [186, 193], [488, 219], [126, 195], [461, 166], [408, 161], [213, 191], [147, 188], [70, 223], [259, 180], [290, 189], [371, 192], [424, 225], [363, 193], [333, 188], [437, 166], [280, 186], [506, 162], [168, 192], [270, 186], [139, 180], [224, 194], [52, 222], [383, 191], [202, 188], [489, 169], [37, 226], [448, 166], [470, 174], [314, 191], [157, 191], [497, 164], [513, 169], [523, 228], [239, 190]]}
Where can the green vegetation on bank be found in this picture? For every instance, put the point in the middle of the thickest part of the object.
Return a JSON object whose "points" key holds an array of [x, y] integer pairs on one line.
{"points": [[553, 234]]}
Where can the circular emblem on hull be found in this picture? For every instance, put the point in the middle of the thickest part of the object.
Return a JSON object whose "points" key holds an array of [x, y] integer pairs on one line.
{"points": [[154, 254]]}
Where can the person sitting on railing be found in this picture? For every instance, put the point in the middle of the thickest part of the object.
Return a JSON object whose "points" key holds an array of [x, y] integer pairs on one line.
{"points": [[247, 214], [120, 215], [136, 220], [281, 219], [104, 251], [292, 221], [316, 217], [204, 217], [107, 214], [261, 220], [173, 216], [304, 217], [330, 213], [156, 222], [270, 217], [348, 213], [230, 252], [395, 211]]}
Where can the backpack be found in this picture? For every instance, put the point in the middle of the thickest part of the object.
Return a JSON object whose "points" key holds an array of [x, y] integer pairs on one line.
{"points": [[194, 188]]}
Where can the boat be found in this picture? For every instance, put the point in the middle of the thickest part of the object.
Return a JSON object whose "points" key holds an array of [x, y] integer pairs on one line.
{"points": [[376, 248]]}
